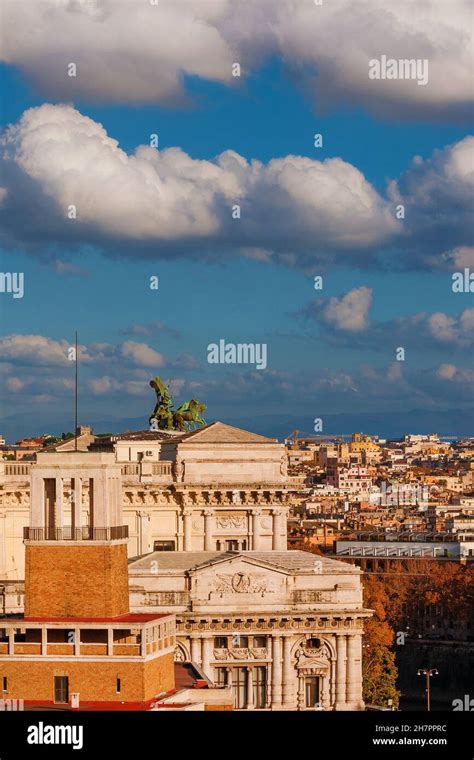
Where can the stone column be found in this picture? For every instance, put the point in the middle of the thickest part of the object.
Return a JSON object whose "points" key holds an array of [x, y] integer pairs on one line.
{"points": [[179, 532], [332, 697], [37, 510], [279, 542], [144, 545], [110, 641], [207, 647], [250, 702], [187, 519], [58, 517], [256, 530], [3, 552], [209, 545], [354, 672], [11, 640], [276, 672], [44, 641], [77, 642], [301, 693], [340, 672], [288, 673], [78, 504], [196, 650], [269, 673]]}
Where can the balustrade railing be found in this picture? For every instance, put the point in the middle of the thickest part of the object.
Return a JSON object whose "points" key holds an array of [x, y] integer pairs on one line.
{"points": [[69, 533]]}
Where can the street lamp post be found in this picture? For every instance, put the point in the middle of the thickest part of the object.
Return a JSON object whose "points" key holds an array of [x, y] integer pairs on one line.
{"points": [[428, 672]]}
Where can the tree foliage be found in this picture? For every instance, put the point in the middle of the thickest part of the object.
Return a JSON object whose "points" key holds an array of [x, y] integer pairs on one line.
{"points": [[378, 661]]}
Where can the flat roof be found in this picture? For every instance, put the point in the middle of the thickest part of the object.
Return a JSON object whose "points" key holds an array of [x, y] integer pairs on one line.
{"points": [[131, 617]]}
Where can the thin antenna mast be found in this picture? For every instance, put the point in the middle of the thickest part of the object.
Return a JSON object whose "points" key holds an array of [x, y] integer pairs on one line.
{"points": [[75, 402]]}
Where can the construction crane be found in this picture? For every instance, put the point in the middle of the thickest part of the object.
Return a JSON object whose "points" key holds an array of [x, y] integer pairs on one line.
{"points": [[293, 438]]}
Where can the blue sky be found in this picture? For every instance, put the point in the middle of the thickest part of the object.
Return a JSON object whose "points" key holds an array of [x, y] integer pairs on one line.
{"points": [[212, 287]]}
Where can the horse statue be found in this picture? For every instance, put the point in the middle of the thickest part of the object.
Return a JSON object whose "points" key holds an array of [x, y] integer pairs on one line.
{"points": [[186, 417]]}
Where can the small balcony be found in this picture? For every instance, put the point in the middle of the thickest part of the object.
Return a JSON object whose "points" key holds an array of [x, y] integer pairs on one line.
{"points": [[69, 533], [147, 472]]}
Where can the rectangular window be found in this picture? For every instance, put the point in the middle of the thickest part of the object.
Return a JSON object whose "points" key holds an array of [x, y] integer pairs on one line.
{"points": [[5, 683], [220, 642], [260, 642], [260, 687], [221, 676], [312, 691], [163, 546], [118, 686], [239, 683], [61, 689]]}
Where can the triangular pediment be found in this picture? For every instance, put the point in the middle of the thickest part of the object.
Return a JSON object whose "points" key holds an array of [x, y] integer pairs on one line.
{"points": [[219, 432], [239, 563], [237, 577]]}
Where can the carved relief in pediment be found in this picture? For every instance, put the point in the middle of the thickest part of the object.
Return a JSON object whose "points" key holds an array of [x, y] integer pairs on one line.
{"points": [[243, 583]]}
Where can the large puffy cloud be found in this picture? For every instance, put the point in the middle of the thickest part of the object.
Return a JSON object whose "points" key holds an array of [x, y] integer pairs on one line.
{"points": [[437, 196], [130, 51], [293, 209], [123, 50], [55, 157]]}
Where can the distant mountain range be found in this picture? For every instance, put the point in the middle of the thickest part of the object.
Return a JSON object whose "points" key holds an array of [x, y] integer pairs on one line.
{"points": [[452, 422]]}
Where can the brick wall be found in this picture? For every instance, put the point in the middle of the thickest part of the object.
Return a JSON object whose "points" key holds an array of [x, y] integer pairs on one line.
{"points": [[76, 581], [95, 681]]}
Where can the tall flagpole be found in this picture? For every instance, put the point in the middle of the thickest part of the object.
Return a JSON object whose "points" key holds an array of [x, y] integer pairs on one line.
{"points": [[75, 403]]}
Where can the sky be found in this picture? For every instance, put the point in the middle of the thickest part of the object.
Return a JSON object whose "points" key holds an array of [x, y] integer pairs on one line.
{"points": [[211, 186]]}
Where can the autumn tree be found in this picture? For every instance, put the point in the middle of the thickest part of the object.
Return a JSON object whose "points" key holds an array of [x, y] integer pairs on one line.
{"points": [[378, 661]]}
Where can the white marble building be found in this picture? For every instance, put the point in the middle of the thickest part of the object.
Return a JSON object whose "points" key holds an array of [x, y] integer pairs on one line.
{"points": [[283, 628], [216, 488]]}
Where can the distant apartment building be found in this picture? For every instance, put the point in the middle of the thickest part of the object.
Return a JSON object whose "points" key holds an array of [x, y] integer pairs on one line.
{"points": [[352, 480], [363, 443], [416, 545]]}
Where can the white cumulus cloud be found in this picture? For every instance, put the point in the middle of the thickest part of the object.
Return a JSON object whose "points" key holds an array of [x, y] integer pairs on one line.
{"points": [[129, 51], [141, 354], [167, 196], [350, 312]]}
